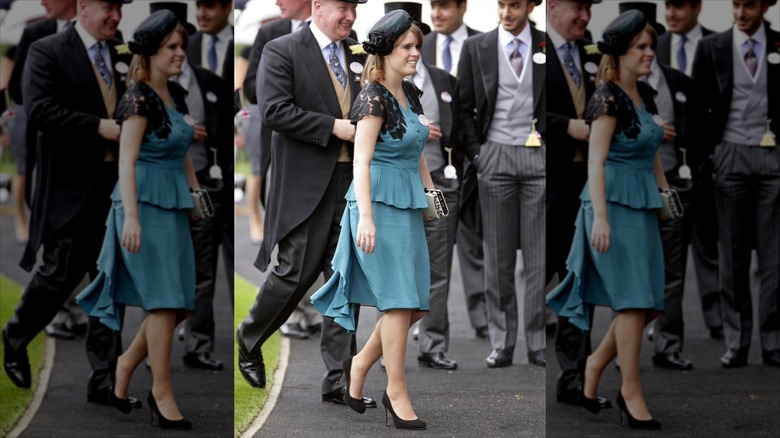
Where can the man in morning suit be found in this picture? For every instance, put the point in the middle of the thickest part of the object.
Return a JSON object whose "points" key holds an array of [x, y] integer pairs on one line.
{"points": [[571, 82], [72, 82], [70, 320], [676, 102], [308, 112], [442, 48], [441, 104], [676, 49], [210, 48], [295, 15], [733, 70], [501, 76]]}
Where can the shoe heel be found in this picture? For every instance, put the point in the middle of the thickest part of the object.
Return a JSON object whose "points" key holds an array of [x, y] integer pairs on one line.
{"points": [[620, 411], [387, 417]]}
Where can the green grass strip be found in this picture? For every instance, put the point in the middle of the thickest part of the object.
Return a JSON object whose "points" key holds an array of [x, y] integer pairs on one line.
{"points": [[13, 400], [249, 401]]}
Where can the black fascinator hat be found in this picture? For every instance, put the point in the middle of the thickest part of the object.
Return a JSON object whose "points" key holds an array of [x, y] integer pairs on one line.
{"points": [[382, 36], [621, 31], [150, 33]]}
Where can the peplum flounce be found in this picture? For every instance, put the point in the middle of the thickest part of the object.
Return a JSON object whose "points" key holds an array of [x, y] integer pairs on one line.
{"points": [[160, 186], [629, 186], [332, 298], [395, 186], [98, 299]]}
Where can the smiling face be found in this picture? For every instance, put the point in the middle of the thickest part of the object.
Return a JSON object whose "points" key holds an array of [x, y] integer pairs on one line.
{"points": [[447, 15], [748, 14], [213, 16], [681, 17], [569, 18], [100, 19], [170, 56], [334, 18], [514, 14], [639, 57], [402, 61]]}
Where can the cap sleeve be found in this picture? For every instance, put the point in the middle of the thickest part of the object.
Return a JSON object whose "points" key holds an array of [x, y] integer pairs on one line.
{"points": [[371, 101], [135, 102], [603, 103]]}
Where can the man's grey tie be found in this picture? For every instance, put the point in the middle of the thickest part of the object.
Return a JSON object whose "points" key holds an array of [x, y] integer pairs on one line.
{"points": [[516, 59], [335, 65], [751, 61], [100, 63], [568, 61]]}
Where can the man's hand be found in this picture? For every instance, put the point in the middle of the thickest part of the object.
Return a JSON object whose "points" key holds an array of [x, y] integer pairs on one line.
{"points": [[344, 130], [200, 132], [578, 129], [435, 132], [669, 132], [109, 129]]}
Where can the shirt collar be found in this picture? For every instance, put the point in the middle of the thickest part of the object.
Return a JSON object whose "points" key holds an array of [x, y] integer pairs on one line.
{"points": [[86, 38], [186, 75], [460, 35], [556, 38], [505, 38], [321, 38], [295, 24], [224, 35], [693, 35], [759, 37], [655, 74], [419, 77]]}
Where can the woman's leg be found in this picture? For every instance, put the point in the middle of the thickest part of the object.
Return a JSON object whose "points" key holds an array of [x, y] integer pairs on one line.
{"points": [[598, 361], [129, 360], [371, 352], [159, 338], [394, 333], [628, 336]]}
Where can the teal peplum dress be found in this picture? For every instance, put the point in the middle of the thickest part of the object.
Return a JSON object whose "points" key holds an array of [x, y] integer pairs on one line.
{"points": [[631, 274], [162, 274], [397, 274]]}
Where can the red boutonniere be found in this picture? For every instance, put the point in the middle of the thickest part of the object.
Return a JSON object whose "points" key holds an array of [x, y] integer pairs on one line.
{"points": [[543, 47]]}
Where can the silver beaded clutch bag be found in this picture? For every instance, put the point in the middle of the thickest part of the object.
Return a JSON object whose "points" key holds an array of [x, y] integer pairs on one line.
{"points": [[437, 207]]}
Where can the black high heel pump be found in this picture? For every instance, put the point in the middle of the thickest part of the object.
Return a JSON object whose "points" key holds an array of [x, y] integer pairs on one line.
{"points": [[591, 404], [121, 404], [633, 423], [164, 422], [398, 422], [357, 405]]}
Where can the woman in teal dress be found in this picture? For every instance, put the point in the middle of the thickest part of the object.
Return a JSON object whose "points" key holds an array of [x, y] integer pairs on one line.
{"points": [[616, 257], [147, 257], [382, 255]]}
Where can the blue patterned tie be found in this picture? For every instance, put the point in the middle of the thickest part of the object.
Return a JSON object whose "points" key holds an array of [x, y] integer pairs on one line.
{"points": [[446, 55], [100, 63], [335, 65], [212, 55], [568, 61], [682, 58]]}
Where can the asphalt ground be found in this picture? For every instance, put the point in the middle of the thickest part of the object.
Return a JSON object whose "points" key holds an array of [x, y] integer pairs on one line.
{"points": [[471, 401], [204, 397], [708, 401]]}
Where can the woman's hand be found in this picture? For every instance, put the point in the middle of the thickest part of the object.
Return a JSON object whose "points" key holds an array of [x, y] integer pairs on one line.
{"points": [[366, 235], [131, 235], [599, 237]]}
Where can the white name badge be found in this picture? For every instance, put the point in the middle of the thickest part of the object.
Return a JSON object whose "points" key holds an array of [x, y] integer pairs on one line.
{"points": [[773, 58], [591, 67], [658, 120], [423, 120], [189, 120], [211, 97], [681, 97], [121, 67], [446, 97], [356, 67], [539, 58]]}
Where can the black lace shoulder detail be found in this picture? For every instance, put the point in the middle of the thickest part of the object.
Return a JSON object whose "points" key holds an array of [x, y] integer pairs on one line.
{"points": [[371, 101], [141, 100], [375, 100], [610, 100]]}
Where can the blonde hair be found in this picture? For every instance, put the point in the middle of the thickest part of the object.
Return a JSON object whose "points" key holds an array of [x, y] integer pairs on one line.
{"points": [[374, 69], [139, 66], [609, 67]]}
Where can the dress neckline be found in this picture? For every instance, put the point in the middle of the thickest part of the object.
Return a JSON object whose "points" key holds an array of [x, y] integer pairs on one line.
{"points": [[395, 99]]}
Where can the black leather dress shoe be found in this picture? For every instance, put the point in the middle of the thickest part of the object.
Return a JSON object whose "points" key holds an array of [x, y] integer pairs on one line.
{"points": [[203, 361], [314, 329], [337, 396], [499, 359], [59, 331], [734, 358], [252, 370], [294, 331], [16, 364], [771, 358], [572, 397], [482, 333], [673, 361], [438, 361], [103, 397], [538, 358]]}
